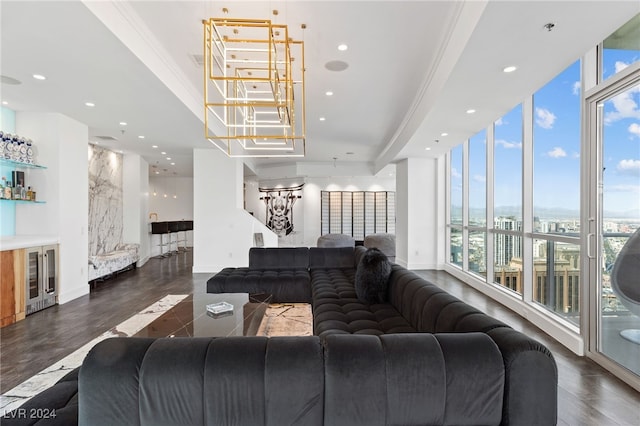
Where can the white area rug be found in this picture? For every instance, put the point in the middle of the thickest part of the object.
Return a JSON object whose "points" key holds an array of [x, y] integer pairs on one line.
{"points": [[47, 377]]}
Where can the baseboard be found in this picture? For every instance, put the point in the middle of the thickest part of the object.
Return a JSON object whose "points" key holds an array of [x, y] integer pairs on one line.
{"points": [[68, 296], [199, 269], [142, 261], [415, 266]]}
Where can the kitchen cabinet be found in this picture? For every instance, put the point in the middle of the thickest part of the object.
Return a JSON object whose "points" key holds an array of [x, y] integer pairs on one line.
{"points": [[12, 287]]}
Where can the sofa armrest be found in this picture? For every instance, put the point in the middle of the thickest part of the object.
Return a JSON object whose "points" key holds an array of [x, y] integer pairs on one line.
{"points": [[531, 379]]}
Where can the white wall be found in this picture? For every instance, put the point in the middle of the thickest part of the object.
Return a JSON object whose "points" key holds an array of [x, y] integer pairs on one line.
{"points": [[62, 147], [168, 208], [135, 202], [311, 197], [223, 230], [306, 211], [419, 207], [252, 199]]}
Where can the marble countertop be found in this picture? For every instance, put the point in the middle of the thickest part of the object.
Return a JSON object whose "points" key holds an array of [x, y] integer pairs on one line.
{"points": [[15, 242]]}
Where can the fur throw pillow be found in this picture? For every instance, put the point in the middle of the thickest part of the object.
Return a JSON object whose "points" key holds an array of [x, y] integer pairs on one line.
{"points": [[372, 275]]}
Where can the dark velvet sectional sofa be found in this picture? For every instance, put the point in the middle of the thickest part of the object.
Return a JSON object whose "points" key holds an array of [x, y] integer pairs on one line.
{"points": [[422, 358], [529, 392]]}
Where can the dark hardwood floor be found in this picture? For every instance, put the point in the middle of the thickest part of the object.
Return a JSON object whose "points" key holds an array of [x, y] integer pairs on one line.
{"points": [[588, 395]]}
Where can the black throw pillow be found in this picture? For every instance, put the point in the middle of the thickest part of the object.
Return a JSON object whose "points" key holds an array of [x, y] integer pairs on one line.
{"points": [[372, 276]]}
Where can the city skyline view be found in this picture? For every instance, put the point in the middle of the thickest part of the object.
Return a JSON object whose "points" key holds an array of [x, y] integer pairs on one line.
{"points": [[556, 152], [551, 256]]}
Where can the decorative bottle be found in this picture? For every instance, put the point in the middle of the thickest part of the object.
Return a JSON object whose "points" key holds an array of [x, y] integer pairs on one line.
{"points": [[8, 191]]}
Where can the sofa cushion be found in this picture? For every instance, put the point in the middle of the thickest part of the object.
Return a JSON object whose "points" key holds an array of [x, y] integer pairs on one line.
{"points": [[284, 285], [331, 257], [337, 309], [372, 276], [272, 258], [335, 240], [411, 379], [203, 381]]}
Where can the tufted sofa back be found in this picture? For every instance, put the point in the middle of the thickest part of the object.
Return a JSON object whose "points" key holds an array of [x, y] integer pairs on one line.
{"points": [[430, 309], [331, 258], [283, 258], [350, 380]]}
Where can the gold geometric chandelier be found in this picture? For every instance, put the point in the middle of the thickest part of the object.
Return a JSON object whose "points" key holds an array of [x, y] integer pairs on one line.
{"points": [[254, 94]]}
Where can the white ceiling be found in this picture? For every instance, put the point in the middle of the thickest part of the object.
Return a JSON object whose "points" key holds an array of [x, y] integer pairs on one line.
{"points": [[415, 67]]}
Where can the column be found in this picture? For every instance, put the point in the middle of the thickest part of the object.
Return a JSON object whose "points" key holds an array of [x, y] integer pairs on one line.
{"points": [[420, 213]]}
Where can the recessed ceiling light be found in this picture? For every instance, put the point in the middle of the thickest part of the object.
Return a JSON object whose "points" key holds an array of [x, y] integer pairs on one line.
{"points": [[39, 77], [471, 111], [444, 134], [342, 47], [157, 172], [154, 146], [173, 164], [169, 158], [122, 123], [322, 118], [329, 93], [5, 103], [163, 153], [428, 148], [510, 68], [140, 137], [90, 104]]}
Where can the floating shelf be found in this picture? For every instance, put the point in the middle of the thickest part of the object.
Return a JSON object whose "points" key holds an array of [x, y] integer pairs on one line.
{"points": [[4, 200], [11, 163]]}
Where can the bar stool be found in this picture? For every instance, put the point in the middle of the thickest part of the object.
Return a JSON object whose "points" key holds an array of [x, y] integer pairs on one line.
{"points": [[174, 228], [161, 228], [182, 235], [188, 226]]}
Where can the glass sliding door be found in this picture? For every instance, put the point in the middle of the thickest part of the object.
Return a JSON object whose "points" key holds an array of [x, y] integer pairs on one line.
{"points": [[615, 166]]}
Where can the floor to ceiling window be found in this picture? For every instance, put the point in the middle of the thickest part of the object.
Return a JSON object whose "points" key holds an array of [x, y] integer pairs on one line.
{"points": [[620, 212], [455, 206], [562, 173], [477, 216], [556, 194], [507, 205], [614, 120]]}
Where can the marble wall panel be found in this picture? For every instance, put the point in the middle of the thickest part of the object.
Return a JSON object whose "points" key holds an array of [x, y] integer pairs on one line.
{"points": [[105, 200]]}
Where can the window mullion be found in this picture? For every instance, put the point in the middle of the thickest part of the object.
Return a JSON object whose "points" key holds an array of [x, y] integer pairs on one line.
{"points": [[527, 199], [465, 205], [489, 206]]}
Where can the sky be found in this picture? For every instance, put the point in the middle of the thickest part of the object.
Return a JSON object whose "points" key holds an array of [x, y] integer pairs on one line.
{"points": [[556, 150]]}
